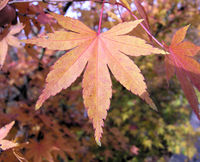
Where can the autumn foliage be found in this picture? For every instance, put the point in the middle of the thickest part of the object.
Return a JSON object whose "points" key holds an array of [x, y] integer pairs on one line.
{"points": [[42, 92]]}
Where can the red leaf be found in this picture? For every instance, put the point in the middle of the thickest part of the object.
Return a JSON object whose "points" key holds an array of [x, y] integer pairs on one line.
{"points": [[187, 69]]}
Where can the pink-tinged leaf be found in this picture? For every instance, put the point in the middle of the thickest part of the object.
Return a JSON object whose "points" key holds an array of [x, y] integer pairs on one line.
{"points": [[179, 35], [13, 41], [7, 38], [3, 49], [5, 144], [15, 29], [97, 91], [5, 130]]}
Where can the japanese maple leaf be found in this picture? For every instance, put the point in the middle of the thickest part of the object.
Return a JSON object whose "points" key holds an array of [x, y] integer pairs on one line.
{"points": [[8, 38], [187, 69], [40, 150], [96, 52], [6, 144]]}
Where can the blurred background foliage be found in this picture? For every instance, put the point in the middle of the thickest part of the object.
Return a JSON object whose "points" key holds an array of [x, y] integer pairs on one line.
{"points": [[61, 131]]}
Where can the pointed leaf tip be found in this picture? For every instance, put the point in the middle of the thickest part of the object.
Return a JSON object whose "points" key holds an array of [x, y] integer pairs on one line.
{"points": [[37, 106], [165, 53], [153, 106], [98, 143], [179, 35]]}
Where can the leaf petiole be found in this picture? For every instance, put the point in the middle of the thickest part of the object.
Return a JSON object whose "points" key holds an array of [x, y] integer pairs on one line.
{"points": [[100, 19]]}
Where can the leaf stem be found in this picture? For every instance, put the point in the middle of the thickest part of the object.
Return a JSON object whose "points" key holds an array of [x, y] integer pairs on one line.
{"points": [[100, 19]]}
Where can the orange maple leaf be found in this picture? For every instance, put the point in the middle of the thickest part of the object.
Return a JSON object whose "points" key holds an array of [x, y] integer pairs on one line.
{"points": [[98, 51], [7, 38], [6, 144], [187, 69]]}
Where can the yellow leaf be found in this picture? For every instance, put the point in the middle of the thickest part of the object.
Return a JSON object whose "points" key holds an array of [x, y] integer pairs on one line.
{"points": [[98, 51]]}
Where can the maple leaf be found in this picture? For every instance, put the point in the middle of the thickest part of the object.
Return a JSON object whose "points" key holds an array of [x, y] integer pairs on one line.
{"points": [[40, 150], [6, 144], [8, 38], [187, 69], [98, 51]]}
